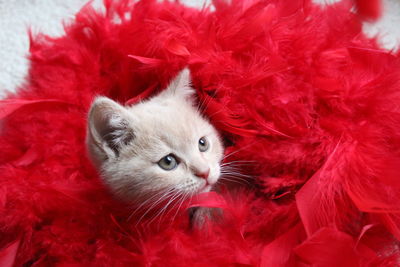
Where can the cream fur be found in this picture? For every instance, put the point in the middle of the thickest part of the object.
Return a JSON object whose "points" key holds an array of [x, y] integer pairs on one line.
{"points": [[126, 143]]}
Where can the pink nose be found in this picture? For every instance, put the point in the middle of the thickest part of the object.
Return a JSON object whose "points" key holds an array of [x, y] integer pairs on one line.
{"points": [[203, 174]]}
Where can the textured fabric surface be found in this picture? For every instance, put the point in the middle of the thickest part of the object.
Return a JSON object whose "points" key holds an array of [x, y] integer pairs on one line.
{"points": [[307, 107]]}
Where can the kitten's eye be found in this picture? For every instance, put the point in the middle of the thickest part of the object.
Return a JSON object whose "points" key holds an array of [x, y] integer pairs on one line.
{"points": [[203, 144], [168, 163]]}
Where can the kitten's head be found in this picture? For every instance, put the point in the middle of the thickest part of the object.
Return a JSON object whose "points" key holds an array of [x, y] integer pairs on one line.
{"points": [[159, 145]]}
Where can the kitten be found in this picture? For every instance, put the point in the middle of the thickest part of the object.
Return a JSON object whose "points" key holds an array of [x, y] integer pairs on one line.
{"points": [[161, 146]]}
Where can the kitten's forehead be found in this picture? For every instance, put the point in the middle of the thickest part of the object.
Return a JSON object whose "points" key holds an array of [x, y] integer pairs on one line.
{"points": [[172, 121]]}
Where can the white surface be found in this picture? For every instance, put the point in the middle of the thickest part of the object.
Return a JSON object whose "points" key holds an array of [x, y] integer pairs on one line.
{"points": [[15, 18], [47, 16], [388, 27]]}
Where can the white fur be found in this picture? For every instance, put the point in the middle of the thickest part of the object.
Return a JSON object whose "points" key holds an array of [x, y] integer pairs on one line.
{"points": [[167, 123]]}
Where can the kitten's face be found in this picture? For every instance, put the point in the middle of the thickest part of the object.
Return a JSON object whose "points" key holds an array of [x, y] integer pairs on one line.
{"points": [[160, 145]]}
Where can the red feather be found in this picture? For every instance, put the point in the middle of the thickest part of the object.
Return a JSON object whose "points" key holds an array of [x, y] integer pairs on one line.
{"points": [[370, 9], [8, 254], [307, 106]]}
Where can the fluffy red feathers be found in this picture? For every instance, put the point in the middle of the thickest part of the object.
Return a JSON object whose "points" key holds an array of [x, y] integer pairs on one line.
{"points": [[369, 9], [296, 90]]}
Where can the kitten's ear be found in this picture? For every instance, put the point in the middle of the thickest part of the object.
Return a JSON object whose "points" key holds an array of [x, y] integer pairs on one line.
{"points": [[109, 128], [181, 85]]}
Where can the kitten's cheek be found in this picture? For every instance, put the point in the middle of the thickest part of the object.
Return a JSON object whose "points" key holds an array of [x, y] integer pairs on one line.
{"points": [[213, 178]]}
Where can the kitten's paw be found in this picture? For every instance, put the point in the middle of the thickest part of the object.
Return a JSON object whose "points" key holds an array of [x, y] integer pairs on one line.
{"points": [[200, 217]]}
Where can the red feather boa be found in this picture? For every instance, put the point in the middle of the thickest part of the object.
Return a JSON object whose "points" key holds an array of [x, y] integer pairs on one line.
{"points": [[295, 88]]}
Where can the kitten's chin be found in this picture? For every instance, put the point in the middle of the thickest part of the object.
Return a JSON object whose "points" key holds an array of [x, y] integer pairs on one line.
{"points": [[205, 189]]}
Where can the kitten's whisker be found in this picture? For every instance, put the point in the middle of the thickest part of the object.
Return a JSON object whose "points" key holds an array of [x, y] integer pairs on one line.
{"points": [[232, 177], [161, 214], [142, 205], [215, 113], [238, 181], [231, 168], [242, 148], [231, 180], [165, 211], [171, 198], [239, 163], [154, 195], [203, 105], [180, 198], [233, 172], [184, 196], [234, 167], [152, 218], [237, 175], [175, 196], [155, 204], [238, 178]]}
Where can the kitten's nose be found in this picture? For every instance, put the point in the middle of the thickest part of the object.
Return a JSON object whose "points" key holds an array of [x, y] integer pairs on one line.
{"points": [[203, 174]]}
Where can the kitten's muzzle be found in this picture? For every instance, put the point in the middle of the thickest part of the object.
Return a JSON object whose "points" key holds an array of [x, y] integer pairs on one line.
{"points": [[204, 174]]}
